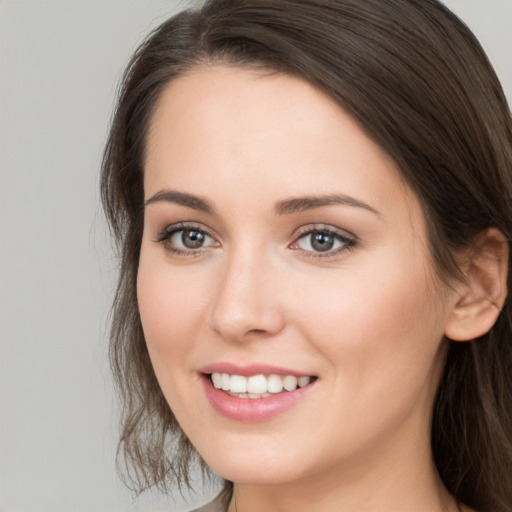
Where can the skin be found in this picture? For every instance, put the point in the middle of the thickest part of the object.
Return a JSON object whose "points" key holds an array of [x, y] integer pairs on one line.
{"points": [[367, 320]]}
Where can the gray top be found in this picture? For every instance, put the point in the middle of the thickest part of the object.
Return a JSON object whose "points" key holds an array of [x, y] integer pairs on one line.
{"points": [[216, 505]]}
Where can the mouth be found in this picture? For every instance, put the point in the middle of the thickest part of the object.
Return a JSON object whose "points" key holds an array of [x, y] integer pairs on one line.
{"points": [[258, 386], [255, 392]]}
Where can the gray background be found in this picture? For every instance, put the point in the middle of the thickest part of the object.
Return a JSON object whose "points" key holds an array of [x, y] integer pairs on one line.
{"points": [[60, 62]]}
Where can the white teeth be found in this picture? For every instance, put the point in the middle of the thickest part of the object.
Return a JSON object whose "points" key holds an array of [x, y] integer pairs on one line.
{"points": [[303, 381], [217, 380], [257, 386], [290, 382], [274, 384], [249, 395], [225, 382], [237, 384]]}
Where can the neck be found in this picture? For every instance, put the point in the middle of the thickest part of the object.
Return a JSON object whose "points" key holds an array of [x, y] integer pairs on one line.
{"points": [[321, 497], [400, 477]]}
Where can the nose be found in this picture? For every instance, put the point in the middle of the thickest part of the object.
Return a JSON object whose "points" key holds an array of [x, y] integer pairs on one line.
{"points": [[246, 303]]}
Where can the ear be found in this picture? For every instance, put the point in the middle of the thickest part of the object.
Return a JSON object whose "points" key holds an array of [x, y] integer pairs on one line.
{"points": [[481, 295]]}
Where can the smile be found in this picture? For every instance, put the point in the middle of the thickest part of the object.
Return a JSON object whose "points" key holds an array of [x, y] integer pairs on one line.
{"points": [[254, 393], [257, 386]]}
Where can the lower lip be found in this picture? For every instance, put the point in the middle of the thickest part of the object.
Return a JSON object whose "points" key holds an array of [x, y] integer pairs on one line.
{"points": [[252, 409]]}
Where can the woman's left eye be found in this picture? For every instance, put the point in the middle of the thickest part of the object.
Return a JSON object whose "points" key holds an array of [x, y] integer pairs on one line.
{"points": [[323, 241]]}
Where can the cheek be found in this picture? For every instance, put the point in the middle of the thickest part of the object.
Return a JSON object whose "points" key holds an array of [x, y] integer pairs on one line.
{"points": [[379, 333], [171, 307], [384, 320]]}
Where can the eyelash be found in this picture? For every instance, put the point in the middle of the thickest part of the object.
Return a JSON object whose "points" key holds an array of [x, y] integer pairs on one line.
{"points": [[348, 241], [165, 236]]}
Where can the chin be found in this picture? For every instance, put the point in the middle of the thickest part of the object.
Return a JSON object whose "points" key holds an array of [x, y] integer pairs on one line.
{"points": [[255, 460], [254, 472]]}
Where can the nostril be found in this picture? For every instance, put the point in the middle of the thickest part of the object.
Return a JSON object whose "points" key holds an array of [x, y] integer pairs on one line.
{"points": [[256, 332]]}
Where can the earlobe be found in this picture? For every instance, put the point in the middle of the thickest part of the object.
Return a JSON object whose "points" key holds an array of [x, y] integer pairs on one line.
{"points": [[482, 294]]}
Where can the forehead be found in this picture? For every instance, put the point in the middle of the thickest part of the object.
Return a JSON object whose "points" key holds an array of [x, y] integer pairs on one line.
{"points": [[236, 109], [238, 131]]}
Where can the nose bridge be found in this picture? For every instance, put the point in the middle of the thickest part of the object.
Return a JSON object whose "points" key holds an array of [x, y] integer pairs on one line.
{"points": [[246, 304]]}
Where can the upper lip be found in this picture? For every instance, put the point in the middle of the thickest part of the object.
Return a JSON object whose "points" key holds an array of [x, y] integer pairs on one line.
{"points": [[251, 369]]}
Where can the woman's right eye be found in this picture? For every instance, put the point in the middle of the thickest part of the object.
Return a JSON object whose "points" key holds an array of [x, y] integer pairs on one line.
{"points": [[186, 239]]}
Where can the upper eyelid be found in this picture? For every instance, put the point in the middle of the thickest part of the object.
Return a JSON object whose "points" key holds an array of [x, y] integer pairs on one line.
{"points": [[307, 229], [170, 229]]}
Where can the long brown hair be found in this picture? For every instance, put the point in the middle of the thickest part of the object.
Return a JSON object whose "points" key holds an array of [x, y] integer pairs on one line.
{"points": [[419, 83]]}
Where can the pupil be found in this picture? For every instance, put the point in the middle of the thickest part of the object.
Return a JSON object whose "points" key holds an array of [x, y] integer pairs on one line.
{"points": [[192, 239], [322, 242]]}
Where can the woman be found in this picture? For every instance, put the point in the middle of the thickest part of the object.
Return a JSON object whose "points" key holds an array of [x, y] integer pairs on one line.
{"points": [[312, 202]]}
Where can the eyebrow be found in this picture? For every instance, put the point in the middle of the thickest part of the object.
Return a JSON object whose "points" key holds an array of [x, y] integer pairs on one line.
{"points": [[300, 204], [182, 198], [285, 207]]}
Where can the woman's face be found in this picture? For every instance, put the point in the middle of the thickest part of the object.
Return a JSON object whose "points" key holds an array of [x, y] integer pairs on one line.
{"points": [[280, 240]]}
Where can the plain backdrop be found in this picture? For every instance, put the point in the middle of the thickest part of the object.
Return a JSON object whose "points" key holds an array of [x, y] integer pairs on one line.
{"points": [[60, 62]]}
